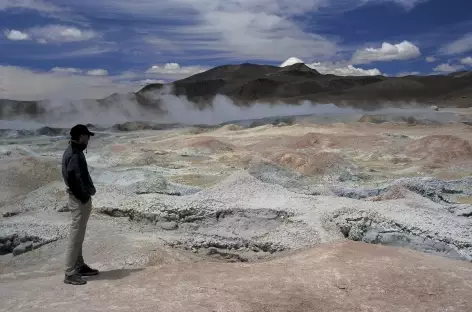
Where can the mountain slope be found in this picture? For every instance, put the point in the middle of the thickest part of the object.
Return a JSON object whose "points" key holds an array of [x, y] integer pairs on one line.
{"points": [[250, 82], [246, 83]]}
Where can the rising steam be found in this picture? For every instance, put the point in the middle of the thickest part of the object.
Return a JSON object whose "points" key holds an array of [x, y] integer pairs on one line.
{"points": [[173, 109]]}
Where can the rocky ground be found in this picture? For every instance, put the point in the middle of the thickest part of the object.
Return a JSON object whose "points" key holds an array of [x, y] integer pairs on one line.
{"points": [[195, 210]]}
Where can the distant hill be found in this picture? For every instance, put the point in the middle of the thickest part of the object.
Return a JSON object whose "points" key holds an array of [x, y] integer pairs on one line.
{"points": [[246, 83], [249, 82]]}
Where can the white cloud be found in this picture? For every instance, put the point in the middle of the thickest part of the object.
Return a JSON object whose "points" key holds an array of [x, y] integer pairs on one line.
{"points": [[37, 5], [68, 70], [52, 33], [89, 51], [407, 4], [338, 69], [458, 46], [147, 8], [403, 74], [430, 59], [175, 70], [44, 8], [97, 72], [467, 61], [182, 8], [235, 29], [162, 44], [172, 66], [65, 52], [255, 35], [387, 52], [447, 68], [343, 70], [71, 70], [61, 33], [16, 35], [151, 81]]}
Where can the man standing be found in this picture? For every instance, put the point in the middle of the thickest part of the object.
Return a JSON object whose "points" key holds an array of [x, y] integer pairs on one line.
{"points": [[80, 189]]}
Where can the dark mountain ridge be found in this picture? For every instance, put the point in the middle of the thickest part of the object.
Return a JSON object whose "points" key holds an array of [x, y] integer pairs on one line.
{"points": [[246, 83]]}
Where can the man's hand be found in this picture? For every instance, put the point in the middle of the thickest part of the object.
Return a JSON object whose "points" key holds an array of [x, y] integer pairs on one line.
{"points": [[85, 200]]}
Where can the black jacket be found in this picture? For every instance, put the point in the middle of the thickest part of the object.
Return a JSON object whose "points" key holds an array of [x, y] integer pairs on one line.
{"points": [[75, 173]]}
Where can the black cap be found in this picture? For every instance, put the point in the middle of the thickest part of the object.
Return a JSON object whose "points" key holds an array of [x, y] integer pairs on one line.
{"points": [[78, 130]]}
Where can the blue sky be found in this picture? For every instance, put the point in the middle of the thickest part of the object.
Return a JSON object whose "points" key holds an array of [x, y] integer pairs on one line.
{"points": [[97, 47]]}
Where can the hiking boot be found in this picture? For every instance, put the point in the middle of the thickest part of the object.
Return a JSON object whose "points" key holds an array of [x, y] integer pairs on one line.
{"points": [[85, 270], [75, 279]]}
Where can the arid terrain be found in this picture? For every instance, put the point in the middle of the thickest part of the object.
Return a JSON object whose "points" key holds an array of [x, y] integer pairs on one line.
{"points": [[366, 212]]}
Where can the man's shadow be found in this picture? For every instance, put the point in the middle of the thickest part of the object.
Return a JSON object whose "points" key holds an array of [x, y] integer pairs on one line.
{"points": [[113, 274]]}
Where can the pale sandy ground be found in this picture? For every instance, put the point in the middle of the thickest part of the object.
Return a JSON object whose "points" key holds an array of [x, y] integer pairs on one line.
{"points": [[341, 277], [318, 270]]}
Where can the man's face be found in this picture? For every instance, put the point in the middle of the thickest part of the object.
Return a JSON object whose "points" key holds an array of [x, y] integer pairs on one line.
{"points": [[84, 139]]}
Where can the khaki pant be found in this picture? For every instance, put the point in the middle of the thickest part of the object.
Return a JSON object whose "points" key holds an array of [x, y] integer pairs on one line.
{"points": [[80, 214]]}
